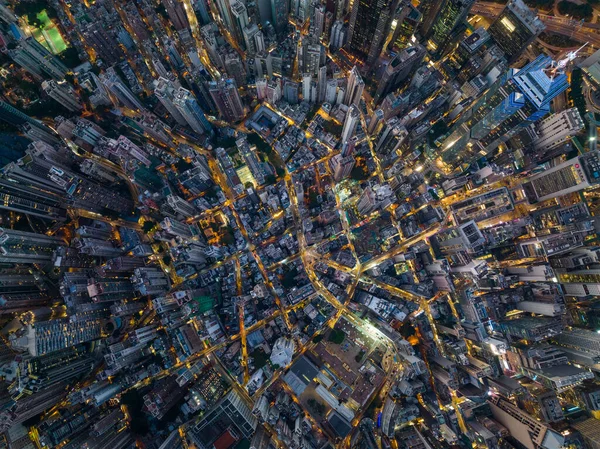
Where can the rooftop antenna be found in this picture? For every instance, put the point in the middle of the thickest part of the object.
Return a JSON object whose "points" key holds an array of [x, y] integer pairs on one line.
{"points": [[558, 67]]}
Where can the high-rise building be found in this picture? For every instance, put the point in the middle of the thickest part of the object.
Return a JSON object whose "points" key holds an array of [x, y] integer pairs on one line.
{"points": [[27, 247], [464, 238], [150, 281], [367, 201], [341, 166], [318, 22], [392, 136], [370, 23], [202, 10], [227, 99], [230, 416], [45, 337], [181, 206], [41, 172], [119, 90], [375, 122], [337, 38], [355, 88], [310, 57], [176, 12], [532, 433], [31, 405], [15, 117], [515, 100], [515, 28], [450, 18], [556, 129], [253, 39], [291, 91], [279, 13], [177, 228], [322, 84], [398, 69], [581, 346], [350, 123], [103, 43], [63, 94], [21, 198], [190, 110], [234, 67], [570, 176], [406, 20], [240, 20], [165, 92], [33, 57], [468, 47], [306, 81], [331, 91]]}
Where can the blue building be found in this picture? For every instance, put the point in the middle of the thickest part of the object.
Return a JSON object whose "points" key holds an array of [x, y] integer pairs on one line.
{"points": [[514, 101]]}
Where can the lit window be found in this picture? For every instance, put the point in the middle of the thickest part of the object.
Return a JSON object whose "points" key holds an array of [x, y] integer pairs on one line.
{"points": [[507, 24]]}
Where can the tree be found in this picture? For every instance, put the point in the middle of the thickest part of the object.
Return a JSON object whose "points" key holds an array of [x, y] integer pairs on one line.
{"points": [[359, 356], [183, 165], [337, 336], [359, 173], [167, 260], [249, 185], [70, 57], [332, 128], [313, 200], [228, 236], [160, 9], [583, 11], [148, 226], [289, 278]]}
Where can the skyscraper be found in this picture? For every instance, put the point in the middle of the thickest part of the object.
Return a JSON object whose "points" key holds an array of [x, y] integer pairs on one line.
{"points": [[27, 247], [225, 95], [406, 20], [355, 88], [177, 15], [279, 13], [21, 198], [45, 337], [370, 22], [451, 15], [556, 129], [63, 94], [341, 166], [515, 100], [310, 57], [188, 107], [350, 123], [165, 92], [515, 28], [254, 39], [571, 176], [33, 57], [119, 90], [230, 415], [398, 69], [240, 21], [322, 84]]}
